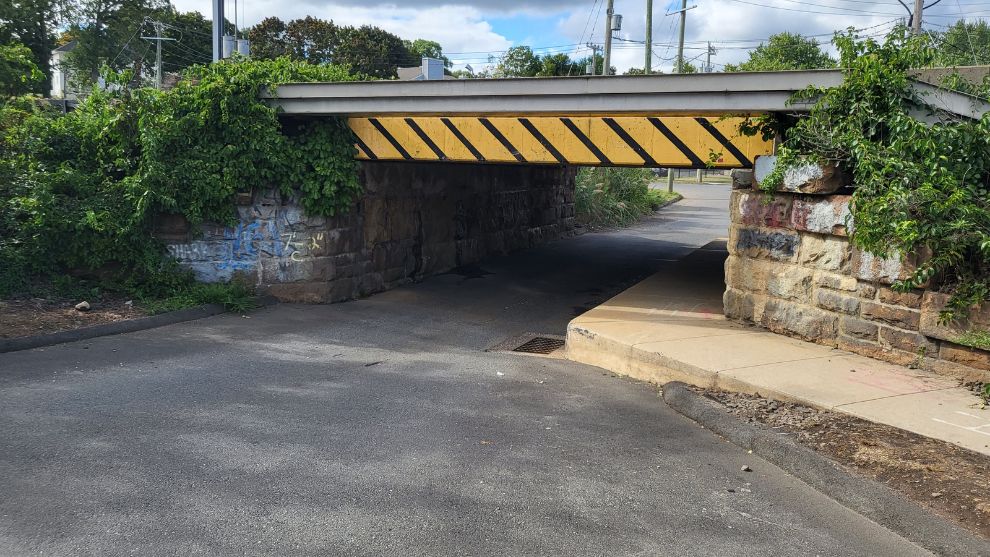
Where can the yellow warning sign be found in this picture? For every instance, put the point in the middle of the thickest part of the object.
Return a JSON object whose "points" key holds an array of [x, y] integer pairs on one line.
{"points": [[661, 141]]}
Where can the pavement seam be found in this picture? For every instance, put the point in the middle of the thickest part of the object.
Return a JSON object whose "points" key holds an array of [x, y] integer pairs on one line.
{"points": [[839, 407], [871, 499]]}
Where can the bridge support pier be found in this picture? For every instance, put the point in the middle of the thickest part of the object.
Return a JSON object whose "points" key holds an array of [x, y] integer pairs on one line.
{"points": [[413, 220]]}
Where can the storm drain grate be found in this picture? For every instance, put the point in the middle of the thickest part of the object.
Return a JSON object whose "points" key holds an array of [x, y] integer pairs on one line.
{"points": [[540, 345]]}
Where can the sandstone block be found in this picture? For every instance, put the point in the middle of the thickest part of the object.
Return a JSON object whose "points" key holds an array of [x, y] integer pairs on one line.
{"points": [[835, 281], [866, 290], [790, 282], [800, 320], [932, 305], [869, 267], [892, 315], [765, 244], [744, 273], [834, 301], [909, 341], [803, 178], [824, 252], [859, 328], [878, 351], [972, 357], [825, 215], [907, 299], [301, 292], [741, 178], [757, 209]]}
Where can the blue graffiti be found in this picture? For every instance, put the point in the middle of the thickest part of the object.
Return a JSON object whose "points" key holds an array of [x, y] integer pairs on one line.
{"points": [[247, 241]]}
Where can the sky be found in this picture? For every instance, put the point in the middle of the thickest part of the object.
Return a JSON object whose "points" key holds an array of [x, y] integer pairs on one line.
{"points": [[476, 31]]}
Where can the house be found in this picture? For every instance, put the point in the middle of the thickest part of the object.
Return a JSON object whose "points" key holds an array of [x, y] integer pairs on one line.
{"points": [[61, 81], [431, 69]]}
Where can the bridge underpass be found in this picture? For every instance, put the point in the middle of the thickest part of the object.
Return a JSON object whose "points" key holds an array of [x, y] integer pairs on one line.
{"points": [[456, 171]]}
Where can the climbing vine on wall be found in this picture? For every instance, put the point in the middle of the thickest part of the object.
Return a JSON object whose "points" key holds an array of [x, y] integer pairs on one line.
{"points": [[921, 176], [79, 191]]}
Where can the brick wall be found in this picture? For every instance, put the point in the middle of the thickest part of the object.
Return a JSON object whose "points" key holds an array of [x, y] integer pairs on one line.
{"points": [[413, 220], [792, 270]]}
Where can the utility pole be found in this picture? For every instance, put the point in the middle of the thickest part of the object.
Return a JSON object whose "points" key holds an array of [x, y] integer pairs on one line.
{"points": [[218, 20], [608, 37], [708, 60], [680, 41], [647, 69], [158, 52], [594, 57], [919, 7]]}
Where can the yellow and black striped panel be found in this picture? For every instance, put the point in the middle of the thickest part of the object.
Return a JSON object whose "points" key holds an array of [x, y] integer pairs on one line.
{"points": [[661, 141]]}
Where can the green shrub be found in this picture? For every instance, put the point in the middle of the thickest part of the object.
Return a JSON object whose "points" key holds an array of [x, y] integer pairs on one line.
{"points": [[921, 188], [613, 197], [78, 191]]}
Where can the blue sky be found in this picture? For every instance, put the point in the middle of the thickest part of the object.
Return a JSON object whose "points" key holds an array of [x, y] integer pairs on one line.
{"points": [[473, 30]]}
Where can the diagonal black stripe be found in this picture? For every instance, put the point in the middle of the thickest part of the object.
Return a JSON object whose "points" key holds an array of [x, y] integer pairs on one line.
{"points": [[647, 159], [501, 139], [426, 139], [543, 140], [364, 147], [460, 136], [587, 142], [695, 161], [398, 147], [725, 142]]}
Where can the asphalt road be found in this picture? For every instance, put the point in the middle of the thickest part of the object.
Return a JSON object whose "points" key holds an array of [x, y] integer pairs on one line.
{"points": [[382, 427]]}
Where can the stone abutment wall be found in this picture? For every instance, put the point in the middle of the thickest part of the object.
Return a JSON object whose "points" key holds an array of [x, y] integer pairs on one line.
{"points": [[792, 269], [413, 220]]}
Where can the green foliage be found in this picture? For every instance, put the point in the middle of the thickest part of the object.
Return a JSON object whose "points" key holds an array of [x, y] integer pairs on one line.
{"points": [[235, 296], [785, 51], [32, 23], [422, 48], [19, 74], [518, 61], [976, 339], [80, 191], [612, 197], [920, 188], [966, 43], [368, 51]]}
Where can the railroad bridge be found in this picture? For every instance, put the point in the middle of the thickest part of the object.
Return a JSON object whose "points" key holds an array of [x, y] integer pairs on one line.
{"points": [[458, 170]]}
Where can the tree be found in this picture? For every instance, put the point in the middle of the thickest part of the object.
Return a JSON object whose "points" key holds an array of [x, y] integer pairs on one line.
{"points": [[371, 51], [194, 40], [518, 61], [367, 50], [785, 51], [109, 33], [422, 48], [268, 39], [32, 23], [18, 72], [552, 65], [964, 44]]}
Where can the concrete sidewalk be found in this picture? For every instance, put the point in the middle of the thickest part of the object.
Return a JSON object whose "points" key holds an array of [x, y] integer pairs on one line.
{"points": [[670, 327]]}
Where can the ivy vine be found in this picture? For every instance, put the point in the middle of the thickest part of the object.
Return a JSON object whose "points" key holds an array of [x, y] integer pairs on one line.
{"points": [[79, 192], [921, 175]]}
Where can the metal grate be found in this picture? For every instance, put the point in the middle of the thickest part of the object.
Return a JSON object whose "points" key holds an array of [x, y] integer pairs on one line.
{"points": [[540, 345]]}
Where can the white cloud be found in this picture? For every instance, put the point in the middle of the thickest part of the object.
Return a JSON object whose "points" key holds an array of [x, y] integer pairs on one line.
{"points": [[456, 28]]}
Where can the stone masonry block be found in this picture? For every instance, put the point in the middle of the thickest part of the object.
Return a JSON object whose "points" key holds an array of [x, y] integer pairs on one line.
{"points": [[801, 320], [744, 273], [859, 328], [790, 282], [866, 290], [824, 252], [897, 316], [869, 267], [835, 281], [910, 299], [932, 305], [764, 244], [807, 177], [834, 301], [822, 215], [908, 341], [758, 209], [972, 357], [878, 351]]}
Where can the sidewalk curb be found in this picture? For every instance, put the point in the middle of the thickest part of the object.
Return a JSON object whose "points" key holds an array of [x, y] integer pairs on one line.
{"points": [[873, 500], [119, 327]]}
